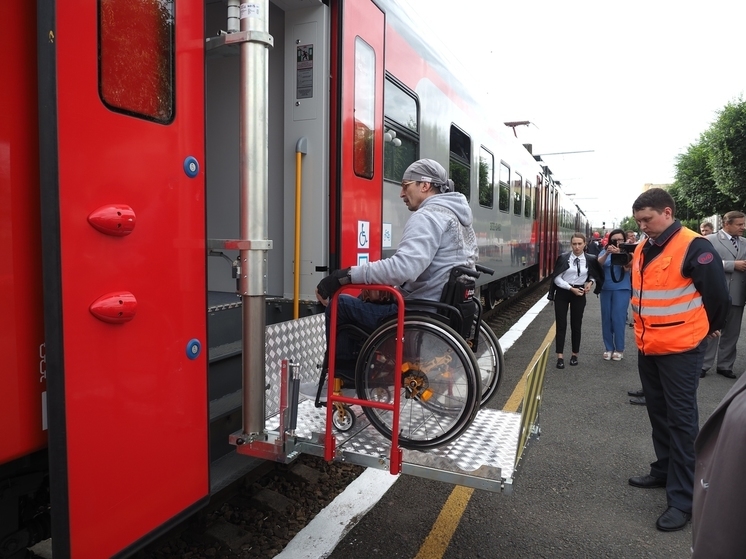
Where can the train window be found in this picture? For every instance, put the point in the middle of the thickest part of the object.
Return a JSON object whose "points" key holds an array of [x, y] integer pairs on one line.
{"points": [[136, 57], [528, 205], [486, 178], [400, 106], [399, 153], [401, 139], [460, 162], [365, 103], [517, 193], [504, 202]]}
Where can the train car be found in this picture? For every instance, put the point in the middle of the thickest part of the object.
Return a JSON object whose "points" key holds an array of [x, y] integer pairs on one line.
{"points": [[175, 176]]}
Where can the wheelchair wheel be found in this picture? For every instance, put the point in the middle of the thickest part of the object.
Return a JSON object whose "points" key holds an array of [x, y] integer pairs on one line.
{"points": [[343, 418], [440, 385], [489, 356]]}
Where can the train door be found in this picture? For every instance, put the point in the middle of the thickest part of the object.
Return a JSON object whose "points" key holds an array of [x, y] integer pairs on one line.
{"points": [[358, 155], [121, 109], [541, 225]]}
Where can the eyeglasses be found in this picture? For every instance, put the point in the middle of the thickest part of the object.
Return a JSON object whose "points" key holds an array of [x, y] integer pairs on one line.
{"points": [[618, 240], [406, 184]]}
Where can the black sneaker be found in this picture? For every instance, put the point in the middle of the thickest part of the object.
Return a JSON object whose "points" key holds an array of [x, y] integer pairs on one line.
{"points": [[574, 360], [560, 363]]}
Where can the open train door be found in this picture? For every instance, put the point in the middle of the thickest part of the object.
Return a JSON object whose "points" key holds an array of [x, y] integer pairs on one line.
{"points": [[121, 101], [358, 63]]}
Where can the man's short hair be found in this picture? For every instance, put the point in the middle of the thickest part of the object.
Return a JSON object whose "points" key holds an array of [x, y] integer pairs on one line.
{"points": [[656, 198], [707, 224], [730, 216]]}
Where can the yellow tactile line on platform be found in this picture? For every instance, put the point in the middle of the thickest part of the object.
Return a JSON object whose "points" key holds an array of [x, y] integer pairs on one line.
{"points": [[436, 542]]}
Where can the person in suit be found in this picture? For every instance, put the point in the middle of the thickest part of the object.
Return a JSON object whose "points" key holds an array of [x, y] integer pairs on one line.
{"points": [[732, 249], [679, 298], [575, 273], [719, 501], [594, 246]]}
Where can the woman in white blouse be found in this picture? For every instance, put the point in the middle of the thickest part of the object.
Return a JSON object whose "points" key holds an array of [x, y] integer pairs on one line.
{"points": [[575, 274]]}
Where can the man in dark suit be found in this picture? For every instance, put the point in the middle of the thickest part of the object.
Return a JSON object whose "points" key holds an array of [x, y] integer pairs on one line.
{"points": [[732, 249], [719, 484]]}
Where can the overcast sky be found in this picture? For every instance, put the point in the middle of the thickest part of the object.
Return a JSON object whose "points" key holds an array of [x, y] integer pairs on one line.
{"points": [[636, 81]]}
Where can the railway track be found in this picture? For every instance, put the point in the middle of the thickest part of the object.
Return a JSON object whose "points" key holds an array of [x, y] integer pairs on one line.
{"points": [[503, 311]]}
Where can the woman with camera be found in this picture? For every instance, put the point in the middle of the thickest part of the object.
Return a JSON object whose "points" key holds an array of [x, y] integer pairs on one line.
{"points": [[616, 292], [575, 274]]}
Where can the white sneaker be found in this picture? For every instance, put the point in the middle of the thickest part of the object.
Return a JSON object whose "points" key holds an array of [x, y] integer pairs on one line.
{"points": [[607, 355], [617, 356]]}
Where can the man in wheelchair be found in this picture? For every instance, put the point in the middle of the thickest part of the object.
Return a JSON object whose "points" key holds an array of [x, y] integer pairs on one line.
{"points": [[436, 238]]}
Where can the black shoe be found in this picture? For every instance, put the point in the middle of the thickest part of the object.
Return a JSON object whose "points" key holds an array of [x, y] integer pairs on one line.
{"points": [[636, 393], [703, 374], [574, 360], [647, 482], [560, 363], [726, 373], [638, 401], [672, 520]]}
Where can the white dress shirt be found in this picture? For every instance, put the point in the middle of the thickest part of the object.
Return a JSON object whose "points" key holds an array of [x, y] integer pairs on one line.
{"points": [[576, 274]]}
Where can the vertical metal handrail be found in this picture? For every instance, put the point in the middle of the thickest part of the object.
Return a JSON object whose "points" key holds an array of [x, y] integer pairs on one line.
{"points": [[329, 441], [301, 149]]}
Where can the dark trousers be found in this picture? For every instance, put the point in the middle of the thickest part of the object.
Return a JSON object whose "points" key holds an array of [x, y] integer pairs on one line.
{"points": [[722, 351], [670, 385], [366, 316], [564, 298]]}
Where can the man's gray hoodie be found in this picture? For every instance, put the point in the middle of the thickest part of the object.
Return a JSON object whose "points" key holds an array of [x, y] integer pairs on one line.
{"points": [[437, 237]]}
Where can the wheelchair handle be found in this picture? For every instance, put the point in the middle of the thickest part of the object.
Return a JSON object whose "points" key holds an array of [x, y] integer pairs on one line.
{"points": [[458, 270]]}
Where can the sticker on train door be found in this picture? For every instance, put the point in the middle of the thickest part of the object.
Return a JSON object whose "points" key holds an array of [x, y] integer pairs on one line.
{"points": [[363, 234]]}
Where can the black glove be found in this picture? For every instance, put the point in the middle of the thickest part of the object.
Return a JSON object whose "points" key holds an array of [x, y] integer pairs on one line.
{"points": [[331, 283]]}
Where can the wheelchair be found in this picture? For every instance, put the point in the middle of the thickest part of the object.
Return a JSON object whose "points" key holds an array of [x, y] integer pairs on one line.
{"points": [[451, 365]]}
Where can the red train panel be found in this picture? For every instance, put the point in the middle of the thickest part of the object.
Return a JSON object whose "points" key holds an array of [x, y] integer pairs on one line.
{"points": [[22, 366], [127, 369]]}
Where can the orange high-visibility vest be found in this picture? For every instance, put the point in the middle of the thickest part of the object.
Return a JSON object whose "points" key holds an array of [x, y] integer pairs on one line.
{"points": [[670, 316]]}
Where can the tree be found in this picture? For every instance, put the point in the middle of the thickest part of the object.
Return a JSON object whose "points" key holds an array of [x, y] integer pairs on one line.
{"points": [[726, 140], [711, 174], [695, 190], [628, 224]]}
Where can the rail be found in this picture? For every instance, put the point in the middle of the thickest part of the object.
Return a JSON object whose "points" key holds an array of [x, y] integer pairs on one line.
{"points": [[395, 463]]}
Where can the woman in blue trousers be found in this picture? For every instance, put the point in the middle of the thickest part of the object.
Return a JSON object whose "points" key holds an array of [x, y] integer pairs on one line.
{"points": [[615, 296]]}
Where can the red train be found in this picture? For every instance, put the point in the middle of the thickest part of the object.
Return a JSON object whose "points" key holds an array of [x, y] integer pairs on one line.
{"points": [[144, 144]]}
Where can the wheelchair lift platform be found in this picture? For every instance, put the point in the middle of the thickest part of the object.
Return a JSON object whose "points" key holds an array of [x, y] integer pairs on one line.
{"points": [[486, 456], [483, 457]]}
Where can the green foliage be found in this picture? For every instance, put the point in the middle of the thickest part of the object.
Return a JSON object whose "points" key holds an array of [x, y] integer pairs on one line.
{"points": [[711, 174], [726, 140], [459, 174], [486, 184], [629, 223]]}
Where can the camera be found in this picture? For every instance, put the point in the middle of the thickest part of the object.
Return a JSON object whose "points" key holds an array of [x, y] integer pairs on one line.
{"points": [[624, 257]]}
